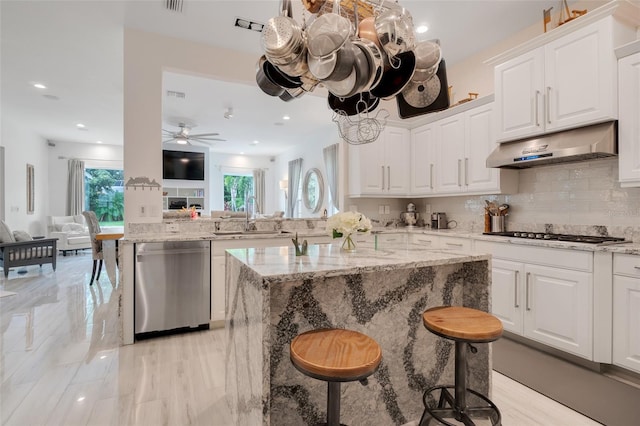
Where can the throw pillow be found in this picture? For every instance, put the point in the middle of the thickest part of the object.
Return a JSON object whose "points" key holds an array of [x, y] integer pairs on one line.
{"points": [[72, 227], [5, 233], [21, 236]]}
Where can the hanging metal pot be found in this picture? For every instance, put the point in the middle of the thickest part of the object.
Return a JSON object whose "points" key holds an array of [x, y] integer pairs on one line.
{"points": [[394, 28], [264, 83], [397, 73]]}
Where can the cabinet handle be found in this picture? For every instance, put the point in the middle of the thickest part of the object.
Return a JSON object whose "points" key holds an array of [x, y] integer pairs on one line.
{"points": [[388, 178], [454, 244], [526, 292], [382, 177], [431, 176], [459, 167], [515, 303], [637, 267], [536, 108], [466, 171], [547, 103]]}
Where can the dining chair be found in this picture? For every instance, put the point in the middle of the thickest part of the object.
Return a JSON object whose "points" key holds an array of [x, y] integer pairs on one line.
{"points": [[96, 245]]}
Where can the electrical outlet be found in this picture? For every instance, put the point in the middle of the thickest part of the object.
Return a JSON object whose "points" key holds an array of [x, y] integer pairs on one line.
{"points": [[172, 227], [387, 210], [380, 209], [143, 211]]}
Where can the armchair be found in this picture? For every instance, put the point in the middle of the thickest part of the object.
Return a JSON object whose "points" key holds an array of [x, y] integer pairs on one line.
{"points": [[71, 232], [24, 253]]}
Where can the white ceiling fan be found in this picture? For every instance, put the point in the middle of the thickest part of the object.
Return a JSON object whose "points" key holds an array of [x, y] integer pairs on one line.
{"points": [[184, 137]]}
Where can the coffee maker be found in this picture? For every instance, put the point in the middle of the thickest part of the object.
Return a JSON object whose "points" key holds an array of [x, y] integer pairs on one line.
{"points": [[438, 221], [410, 217]]}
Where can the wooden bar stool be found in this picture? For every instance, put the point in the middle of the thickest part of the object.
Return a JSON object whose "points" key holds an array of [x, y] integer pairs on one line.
{"points": [[464, 326], [335, 356]]}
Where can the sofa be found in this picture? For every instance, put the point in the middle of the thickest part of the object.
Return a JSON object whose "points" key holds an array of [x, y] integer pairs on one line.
{"points": [[19, 249], [71, 231]]}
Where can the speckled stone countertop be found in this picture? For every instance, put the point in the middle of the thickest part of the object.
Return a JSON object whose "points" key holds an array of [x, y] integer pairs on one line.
{"points": [[276, 265]]}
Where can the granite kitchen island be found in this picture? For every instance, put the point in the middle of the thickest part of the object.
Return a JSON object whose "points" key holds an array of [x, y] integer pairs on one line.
{"points": [[272, 295]]}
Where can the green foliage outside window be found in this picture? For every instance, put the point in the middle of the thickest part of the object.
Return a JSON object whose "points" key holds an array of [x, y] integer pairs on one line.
{"points": [[235, 189], [103, 194]]}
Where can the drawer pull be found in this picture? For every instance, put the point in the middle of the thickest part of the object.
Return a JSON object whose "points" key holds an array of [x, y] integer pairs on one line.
{"points": [[515, 304], [637, 267], [526, 291], [455, 244]]}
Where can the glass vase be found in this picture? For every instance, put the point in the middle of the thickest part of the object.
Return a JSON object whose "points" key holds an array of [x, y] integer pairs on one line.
{"points": [[348, 245]]}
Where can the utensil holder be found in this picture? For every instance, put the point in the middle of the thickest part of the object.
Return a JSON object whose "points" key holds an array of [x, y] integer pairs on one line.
{"points": [[497, 224]]}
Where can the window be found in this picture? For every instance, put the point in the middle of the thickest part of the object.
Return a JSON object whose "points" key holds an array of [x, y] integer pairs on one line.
{"points": [[236, 188], [104, 194]]}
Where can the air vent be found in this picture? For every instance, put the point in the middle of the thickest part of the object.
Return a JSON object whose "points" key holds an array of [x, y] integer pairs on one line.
{"points": [[174, 94], [174, 5], [248, 24]]}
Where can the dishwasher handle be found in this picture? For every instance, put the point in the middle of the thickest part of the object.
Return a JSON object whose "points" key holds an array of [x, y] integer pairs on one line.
{"points": [[143, 254]]}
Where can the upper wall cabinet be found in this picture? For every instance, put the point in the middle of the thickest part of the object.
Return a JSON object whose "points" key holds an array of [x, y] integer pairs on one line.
{"points": [[629, 122], [379, 169], [449, 156], [568, 82]]}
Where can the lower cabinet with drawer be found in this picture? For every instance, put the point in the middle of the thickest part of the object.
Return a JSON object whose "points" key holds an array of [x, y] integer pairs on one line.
{"points": [[544, 294], [626, 311]]}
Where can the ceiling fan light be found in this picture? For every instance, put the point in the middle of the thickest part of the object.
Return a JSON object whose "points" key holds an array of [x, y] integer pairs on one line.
{"points": [[181, 140]]}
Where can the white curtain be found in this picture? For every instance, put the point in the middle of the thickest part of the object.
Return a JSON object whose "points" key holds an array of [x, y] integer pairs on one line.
{"points": [[258, 190], [75, 188], [295, 171], [330, 154]]}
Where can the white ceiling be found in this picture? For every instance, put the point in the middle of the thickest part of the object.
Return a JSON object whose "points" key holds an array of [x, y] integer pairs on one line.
{"points": [[75, 48]]}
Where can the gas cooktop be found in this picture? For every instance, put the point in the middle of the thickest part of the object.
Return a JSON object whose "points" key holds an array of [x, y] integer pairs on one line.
{"points": [[590, 239]]}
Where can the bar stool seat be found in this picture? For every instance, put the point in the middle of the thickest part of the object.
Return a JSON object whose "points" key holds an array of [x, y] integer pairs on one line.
{"points": [[464, 326], [335, 356]]}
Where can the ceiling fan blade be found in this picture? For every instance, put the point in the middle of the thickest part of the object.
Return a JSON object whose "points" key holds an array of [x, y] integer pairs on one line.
{"points": [[169, 140], [203, 134]]}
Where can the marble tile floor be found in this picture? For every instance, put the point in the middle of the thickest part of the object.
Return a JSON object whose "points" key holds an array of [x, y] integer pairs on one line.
{"points": [[60, 363]]}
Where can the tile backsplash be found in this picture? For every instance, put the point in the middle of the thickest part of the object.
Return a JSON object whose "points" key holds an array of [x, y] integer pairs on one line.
{"points": [[579, 198]]}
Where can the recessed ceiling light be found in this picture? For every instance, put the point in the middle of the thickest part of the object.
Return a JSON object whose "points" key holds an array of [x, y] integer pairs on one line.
{"points": [[422, 29], [80, 126], [286, 117], [255, 142], [80, 399], [241, 152], [98, 141], [39, 86]]}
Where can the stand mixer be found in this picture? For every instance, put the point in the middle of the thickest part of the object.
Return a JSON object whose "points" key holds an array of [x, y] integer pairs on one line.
{"points": [[410, 217]]}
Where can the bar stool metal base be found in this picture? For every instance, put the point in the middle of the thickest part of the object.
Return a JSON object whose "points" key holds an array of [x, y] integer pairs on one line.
{"points": [[482, 409]]}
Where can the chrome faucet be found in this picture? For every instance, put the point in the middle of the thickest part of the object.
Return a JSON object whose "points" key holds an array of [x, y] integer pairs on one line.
{"points": [[247, 200]]}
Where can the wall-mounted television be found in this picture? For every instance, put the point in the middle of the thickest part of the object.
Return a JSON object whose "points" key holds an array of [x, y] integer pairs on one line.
{"points": [[184, 165]]}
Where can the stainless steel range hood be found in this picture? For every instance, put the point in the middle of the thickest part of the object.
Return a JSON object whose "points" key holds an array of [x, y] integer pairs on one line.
{"points": [[585, 143]]}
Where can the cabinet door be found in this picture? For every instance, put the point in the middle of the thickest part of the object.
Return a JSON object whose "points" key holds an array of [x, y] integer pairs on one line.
{"points": [[450, 154], [366, 168], [396, 159], [422, 159], [506, 294], [629, 123], [580, 77], [626, 322], [519, 105], [479, 142], [558, 308]]}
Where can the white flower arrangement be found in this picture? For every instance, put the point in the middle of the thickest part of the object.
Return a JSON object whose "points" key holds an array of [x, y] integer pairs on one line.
{"points": [[346, 223]]}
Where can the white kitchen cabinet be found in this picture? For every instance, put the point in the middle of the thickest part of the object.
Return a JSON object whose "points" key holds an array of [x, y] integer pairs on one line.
{"points": [[423, 159], [629, 122], [455, 243], [380, 168], [463, 142], [626, 311], [569, 82], [544, 294], [558, 308], [425, 240]]}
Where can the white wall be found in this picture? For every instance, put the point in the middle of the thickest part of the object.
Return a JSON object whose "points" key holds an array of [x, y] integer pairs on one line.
{"points": [[24, 147], [94, 156]]}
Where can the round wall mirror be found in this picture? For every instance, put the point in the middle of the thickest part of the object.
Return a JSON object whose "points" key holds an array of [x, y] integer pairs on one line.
{"points": [[313, 190]]}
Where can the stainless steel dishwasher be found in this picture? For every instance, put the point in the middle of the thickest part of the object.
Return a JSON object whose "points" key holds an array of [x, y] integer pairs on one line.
{"points": [[172, 287]]}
